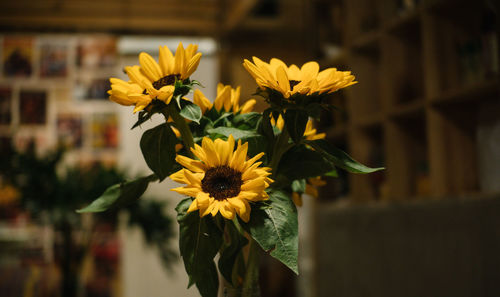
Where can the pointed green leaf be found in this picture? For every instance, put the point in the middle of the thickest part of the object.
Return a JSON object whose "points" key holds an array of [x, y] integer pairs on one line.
{"points": [[199, 242], [158, 149], [120, 195], [295, 122], [340, 158], [274, 226], [300, 162], [190, 111], [237, 133]]}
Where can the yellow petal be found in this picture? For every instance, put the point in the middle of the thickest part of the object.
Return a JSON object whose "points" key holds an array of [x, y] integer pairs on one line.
{"points": [[193, 165], [166, 61], [149, 67], [192, 65], [283, 82], [297, 198], [202, 101], [309, 70], [248, 106], [179, 60]]}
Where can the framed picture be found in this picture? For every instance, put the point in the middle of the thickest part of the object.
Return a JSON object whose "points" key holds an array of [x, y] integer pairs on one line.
{"points": [[5, 105], [104, 127], [70, 130], [17, 56], [32, 107], [96, 51], [98, 89], [53, 58]]}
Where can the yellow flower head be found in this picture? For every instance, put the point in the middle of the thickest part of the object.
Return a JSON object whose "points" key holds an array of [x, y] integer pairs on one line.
{"points": [[310, 133], [227, 99], [152, 80], [222, 180], [291, 80]]}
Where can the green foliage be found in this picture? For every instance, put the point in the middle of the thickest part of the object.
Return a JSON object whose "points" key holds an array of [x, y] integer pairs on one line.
{"points": [[274, 226], [301, 162], [295, 122], [120, 195], [190, 111], [231, 257], [339, 158], [199, 240], [158, 149]]}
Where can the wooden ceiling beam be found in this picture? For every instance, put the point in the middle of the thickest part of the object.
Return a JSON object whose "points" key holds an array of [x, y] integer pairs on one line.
{"points": [[115, 23]]}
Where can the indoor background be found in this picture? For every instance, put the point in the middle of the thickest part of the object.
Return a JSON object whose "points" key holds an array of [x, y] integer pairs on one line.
{"points": [[426, 107]]}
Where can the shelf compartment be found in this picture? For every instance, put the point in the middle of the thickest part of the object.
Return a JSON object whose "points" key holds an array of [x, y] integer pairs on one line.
{"points": [[367, 146], [407, 158], [361, 17], [466, 35], [364, 98], [402, 65]]}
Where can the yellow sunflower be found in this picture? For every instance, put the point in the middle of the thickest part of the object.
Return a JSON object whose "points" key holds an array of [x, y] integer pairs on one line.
{"points": [[311, 189], [310, 133], [227, 99], [152, 80], [291, 80], [222, 180]]}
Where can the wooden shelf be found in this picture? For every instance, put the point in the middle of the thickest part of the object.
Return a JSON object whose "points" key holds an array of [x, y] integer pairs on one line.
{"points": [[410, 109], [417, 108], [479, 91]]}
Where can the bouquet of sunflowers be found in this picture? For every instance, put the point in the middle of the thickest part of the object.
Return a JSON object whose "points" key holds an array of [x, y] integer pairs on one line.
{"points": [[243, 172]]}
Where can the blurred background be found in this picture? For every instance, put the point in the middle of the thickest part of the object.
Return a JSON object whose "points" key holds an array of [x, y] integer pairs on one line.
{"points": [[426, 107]]}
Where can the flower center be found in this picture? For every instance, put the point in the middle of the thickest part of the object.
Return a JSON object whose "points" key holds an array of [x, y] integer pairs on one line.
{"points": [[222, 182], [293, 83], [166, 81]]}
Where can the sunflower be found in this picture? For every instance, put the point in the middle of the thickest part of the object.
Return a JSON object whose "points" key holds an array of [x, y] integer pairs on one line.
{"points": [[311, 189], [152, 80], [227, 99], [310, 132], [222, 180], [307, 80]]}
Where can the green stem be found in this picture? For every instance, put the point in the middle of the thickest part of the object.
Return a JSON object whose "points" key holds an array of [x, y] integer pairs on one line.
{"points": [[252, 272], [280, 147], [181, 124]]}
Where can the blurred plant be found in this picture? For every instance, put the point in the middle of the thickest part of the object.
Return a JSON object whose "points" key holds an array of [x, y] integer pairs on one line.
{"points": [[50, 195]]}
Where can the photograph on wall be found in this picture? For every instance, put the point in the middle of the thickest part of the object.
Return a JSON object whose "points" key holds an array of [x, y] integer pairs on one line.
{"points": [[98, 89], [17, 56], [53, 58], [5, 105], [96, 51], [104, 127], [70, 130], [32, 107]]}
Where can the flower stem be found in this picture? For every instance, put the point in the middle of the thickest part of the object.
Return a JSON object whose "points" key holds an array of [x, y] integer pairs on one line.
{"points": [[252, 272], [181, 124], [280, 147]]}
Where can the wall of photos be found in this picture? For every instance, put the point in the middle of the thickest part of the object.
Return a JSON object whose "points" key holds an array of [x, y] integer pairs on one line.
{"points": [[53, 91]]}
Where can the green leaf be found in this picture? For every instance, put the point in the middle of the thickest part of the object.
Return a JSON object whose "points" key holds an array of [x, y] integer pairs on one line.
{"points": [[274, 226], [199, 242], [299, 185], [300, 162], [247, 120], [340, 158], [237, 133], [158, 149], [295, 122], [190, 111], [231, 251], [120, 195]]}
